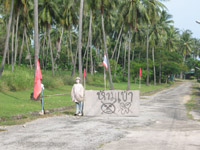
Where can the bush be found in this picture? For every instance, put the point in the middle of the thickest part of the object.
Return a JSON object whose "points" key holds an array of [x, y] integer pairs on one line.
{"points": [[23, 78], [192, 77], [20, 79], [68, 80]]}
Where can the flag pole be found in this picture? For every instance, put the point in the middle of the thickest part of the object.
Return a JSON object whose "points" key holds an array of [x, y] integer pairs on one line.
{"points": [[140, 76], [42, 103], [42, 112], [84, 83], [105, 78], [139, 82], [84, 79]]}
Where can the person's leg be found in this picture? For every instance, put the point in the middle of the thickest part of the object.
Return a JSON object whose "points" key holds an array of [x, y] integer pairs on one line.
{"points": [[77, 108], [81, 108]]}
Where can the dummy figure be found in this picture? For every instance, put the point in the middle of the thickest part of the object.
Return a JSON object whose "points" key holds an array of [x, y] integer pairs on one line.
{"points": [[77, 95]]}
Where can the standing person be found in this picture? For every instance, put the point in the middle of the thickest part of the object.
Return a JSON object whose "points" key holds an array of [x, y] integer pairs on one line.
{"points": [[77, 95]]}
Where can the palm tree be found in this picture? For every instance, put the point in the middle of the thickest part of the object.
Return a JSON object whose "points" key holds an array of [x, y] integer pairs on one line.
{"points": [[106, 3], [133, 13], [92, 5], [196, 48], [36, 34], [19, 9], [7, 38], [12, 41], [172, 37], [79, 39], [185, 45], [153, 8], [70, 19], [26, 17], [48, 17], [163, 25]]}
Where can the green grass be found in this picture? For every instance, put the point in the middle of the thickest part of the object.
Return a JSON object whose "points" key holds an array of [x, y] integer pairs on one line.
{"points": [[14, 103], [194, 103], [16, 88]]}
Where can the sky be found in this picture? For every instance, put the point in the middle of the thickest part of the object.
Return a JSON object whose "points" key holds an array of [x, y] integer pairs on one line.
{"points": [[185, 13]]}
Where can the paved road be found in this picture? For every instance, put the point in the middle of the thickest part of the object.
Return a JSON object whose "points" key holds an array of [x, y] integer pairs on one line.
{"points": [[162, 125]]}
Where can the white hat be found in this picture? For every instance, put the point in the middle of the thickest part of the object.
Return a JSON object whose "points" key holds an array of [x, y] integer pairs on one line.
{"points": [[78, 78]]}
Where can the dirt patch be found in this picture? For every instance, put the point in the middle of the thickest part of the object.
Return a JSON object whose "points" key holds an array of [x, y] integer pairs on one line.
{"points": [[186, 99]]}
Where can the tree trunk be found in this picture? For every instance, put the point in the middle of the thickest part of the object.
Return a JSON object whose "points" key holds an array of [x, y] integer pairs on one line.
{"points": [[88, 42], [154, 68], [74, 65], [87, 61], [51, 51], [133, 55], [181, 74], [79, 39], [8, 53], [16, 38], [139, 55], [86, 52], [43, 49], [105, 47], [59, 45], [47, 52], [12, 44], [147, 55], [160, 67], [27, 46], [160, 73], [117, 41], [118, 56], [129, 53], [8, 56], [21, 50], [90, 32], [36, 35], [7, 38], [124, 62], [70, 44]]}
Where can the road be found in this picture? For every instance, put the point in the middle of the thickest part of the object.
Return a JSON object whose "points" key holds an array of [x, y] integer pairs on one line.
{"points": [[162, 125]]}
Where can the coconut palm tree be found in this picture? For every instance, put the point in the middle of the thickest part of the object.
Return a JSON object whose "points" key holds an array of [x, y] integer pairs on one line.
{"points": [[7, 37], [196, 48], [26, 12], [92, 5], [163, 26], [48, 16], [70, 19], [186, 43], [104, 5], [172, 38], [79, 39], [133, 13], [153, 8], [36, 33]]}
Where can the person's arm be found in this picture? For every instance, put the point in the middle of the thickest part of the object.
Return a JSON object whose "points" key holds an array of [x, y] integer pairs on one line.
{"points": [[72, 93]]}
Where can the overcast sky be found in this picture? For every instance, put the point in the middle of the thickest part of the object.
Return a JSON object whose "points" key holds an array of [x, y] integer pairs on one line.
{"points": [[185, 13]]}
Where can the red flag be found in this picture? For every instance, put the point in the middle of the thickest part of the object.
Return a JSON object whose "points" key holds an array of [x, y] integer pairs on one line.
{"points": [[105, 62], [84, 73], [37, 83], [140, 73]]}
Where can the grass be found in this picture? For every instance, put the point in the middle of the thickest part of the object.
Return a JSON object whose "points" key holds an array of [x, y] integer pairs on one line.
{"points": [[16, 103], [194, 103], [16, 88]]}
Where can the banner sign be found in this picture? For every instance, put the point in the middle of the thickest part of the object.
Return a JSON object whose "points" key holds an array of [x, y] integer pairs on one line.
{"points": [[111, 103]]}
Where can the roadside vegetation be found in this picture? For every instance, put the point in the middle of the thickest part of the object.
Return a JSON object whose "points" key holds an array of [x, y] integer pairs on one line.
{"points": [[193, 105], [17, 107], [75, 35]]}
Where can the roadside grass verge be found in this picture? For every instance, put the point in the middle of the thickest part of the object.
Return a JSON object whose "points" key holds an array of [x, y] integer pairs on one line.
{"points": [[17, 108], [16, 88], [194, 103]]}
